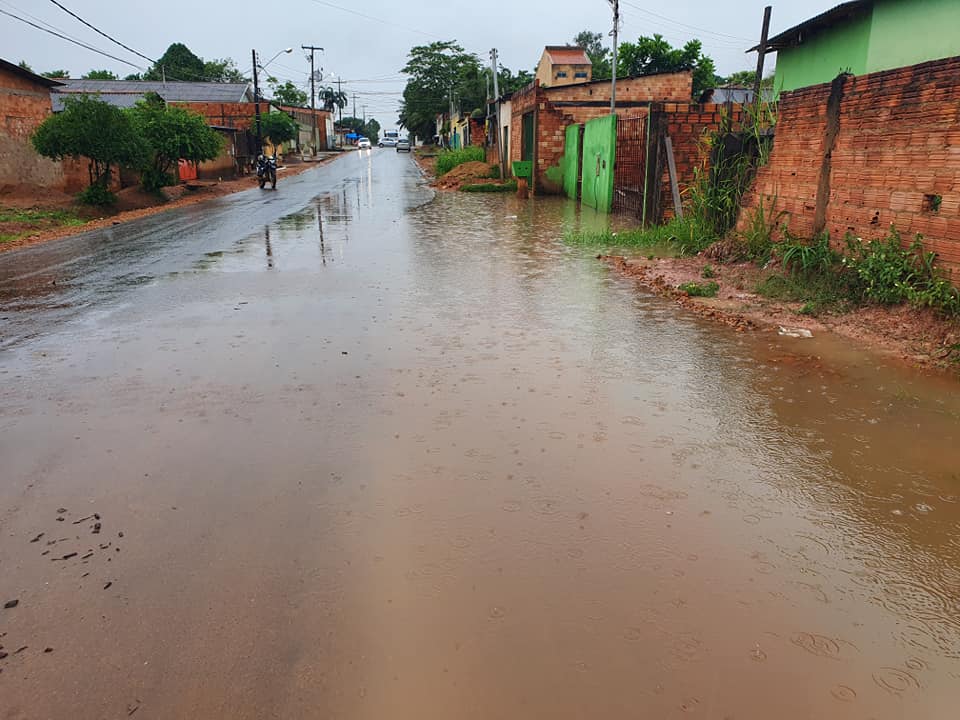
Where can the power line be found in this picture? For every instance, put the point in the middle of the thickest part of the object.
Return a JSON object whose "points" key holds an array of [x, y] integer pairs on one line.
{"points": [[100, 32], [376, 19], [685, 25], [71, 40]]}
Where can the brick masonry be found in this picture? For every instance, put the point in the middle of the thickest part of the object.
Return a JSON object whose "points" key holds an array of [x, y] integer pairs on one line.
{"points": [[558, 107], [897, 147]]}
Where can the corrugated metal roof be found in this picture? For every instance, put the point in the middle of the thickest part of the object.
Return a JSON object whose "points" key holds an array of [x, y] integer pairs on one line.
{"points": [[121, 100], [798, 33], [563, 55], [170, 91]]}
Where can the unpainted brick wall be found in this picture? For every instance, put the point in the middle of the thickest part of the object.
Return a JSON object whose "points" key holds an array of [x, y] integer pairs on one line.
{"points": [[23, 106], [688, 125], [898, 143]]}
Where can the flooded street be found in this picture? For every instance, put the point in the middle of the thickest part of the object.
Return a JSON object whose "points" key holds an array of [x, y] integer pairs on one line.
{"points": [[349, 450]]}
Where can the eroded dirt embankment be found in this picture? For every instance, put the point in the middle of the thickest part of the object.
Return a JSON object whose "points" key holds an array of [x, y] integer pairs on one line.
{"points": [[916, 336]]}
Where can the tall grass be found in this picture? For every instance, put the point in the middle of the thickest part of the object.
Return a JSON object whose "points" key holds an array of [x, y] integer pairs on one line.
{"points": [[449, 159], [683, 237]]}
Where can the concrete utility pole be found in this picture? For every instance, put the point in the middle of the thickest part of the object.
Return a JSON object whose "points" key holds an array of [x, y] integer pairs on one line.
{"points": [[339, 102], [616, 31], [496, 108], [761, 53], [354, 106], [313, 94], [256, 102]]}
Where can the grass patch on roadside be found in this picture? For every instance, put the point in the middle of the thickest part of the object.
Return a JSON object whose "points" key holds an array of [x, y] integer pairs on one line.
{"points": [[693, 289], [509, 186], [17, 223], [449, 159], [678, 237]]}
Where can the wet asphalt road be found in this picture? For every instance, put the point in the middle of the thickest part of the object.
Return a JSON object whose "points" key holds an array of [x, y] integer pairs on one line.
{"points": [[348, 450]]}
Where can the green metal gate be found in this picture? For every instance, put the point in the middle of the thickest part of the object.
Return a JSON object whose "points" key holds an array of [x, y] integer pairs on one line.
{"points": [[572, 162], [526, 137], [599, 152]]}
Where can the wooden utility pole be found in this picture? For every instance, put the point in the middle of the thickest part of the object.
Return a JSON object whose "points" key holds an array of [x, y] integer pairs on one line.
{"points": [[761, 53], [496, 110], [256, 103], [616, 32], [313, 95]]}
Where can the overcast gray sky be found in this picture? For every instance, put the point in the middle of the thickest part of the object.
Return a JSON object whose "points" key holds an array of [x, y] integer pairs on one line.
{"points": [[367, 43]]}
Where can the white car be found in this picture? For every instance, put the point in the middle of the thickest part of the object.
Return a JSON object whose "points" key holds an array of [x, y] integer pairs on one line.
{"points": [[388, 142], [363, 144]]}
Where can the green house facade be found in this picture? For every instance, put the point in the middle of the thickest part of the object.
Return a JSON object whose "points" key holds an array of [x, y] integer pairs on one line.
{"points": [[865, 36]]}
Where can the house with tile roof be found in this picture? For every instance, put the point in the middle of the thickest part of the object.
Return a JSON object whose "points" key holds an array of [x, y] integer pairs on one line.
{"points": [[563, 65]]}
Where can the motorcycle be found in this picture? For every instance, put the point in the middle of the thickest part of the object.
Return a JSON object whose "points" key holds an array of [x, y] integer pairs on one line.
{"points": [[267, 171]]}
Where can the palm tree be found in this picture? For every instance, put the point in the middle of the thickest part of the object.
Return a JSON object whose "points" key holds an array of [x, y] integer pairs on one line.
{"points": [[331, 98]]}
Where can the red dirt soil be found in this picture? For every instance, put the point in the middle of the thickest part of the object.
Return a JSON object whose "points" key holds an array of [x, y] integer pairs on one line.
{"points": [[916, 336]]}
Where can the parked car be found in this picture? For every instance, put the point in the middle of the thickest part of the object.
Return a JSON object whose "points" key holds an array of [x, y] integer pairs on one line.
{"points": [[363, 144], [403, 145], [388, 142]]}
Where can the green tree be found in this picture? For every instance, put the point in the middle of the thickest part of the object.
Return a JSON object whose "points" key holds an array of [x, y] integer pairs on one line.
{"points": [[99, 75], [288, 93], [278, 127], [600, 56], [510, 83], [24, 66], [171, 134], [435, 71], [655, 55], [134, 76], [56, 74], [745, 78], [332, 98], [223, 70], [177, 63], [372, 130], [90, 128]]}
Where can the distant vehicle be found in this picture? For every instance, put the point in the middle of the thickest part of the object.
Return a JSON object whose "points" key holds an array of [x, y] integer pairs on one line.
{"points": [[403, 145], [388, 142], [392, 135], [363, 144]]}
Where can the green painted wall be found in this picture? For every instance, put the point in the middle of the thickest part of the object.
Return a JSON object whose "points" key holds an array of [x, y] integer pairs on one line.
{"points": [[895, 33], [906, 33], [571, 161], [824, 56], [599, 150]]}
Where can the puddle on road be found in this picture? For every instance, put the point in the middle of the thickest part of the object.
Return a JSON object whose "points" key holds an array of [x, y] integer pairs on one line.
{"points": [[439, 464]]}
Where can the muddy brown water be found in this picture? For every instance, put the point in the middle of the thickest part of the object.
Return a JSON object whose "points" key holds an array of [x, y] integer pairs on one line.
{"points": [[359, 453]]}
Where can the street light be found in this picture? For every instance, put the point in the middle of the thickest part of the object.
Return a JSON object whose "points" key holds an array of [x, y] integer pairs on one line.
{"points": [[256, 91]]}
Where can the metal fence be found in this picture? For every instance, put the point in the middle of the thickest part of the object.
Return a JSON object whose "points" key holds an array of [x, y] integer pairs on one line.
{"points": [[630, 166]]}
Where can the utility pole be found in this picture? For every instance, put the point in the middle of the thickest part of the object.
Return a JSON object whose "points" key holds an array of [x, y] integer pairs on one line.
{"points": [[496, 106], [364, 117], [761, 52], [313, 94], [340, 103], [616, 30], [354, 106], [256, 102]]}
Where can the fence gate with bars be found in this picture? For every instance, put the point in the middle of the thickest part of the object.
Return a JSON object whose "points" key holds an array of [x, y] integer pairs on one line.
{"points": [[630, 167]]}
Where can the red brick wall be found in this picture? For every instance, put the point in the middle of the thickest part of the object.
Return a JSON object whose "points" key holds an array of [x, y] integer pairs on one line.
{"points": [[898, 140], [665, 87], [236, 115], [23, 106], [688, 124]]}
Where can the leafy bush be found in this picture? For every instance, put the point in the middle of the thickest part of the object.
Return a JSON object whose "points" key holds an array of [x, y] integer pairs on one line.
{"points": [[449, 159], [708, 272], [96, 194], [886, 271], [758, 234], [700, 289], [803, 257]]}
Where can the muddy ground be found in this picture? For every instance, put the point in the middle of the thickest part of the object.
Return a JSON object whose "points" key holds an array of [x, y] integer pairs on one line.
{"points": [[916, 336], [132, 203], [471, 173]]}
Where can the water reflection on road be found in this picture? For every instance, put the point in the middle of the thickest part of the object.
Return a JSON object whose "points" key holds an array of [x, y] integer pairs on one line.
{"points": [[382, 456]]}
